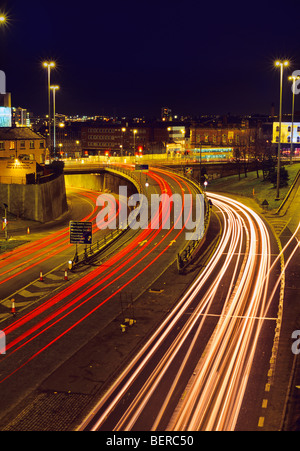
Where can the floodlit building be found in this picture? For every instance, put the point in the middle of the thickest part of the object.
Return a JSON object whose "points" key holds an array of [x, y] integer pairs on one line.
{"points": [[22, 143], [286, 136]]}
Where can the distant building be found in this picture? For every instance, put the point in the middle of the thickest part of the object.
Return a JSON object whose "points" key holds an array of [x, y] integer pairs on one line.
{"points": [[20, 117], [221, 140], [5, 110], [22, 143], [166, 114], [286, 136], [127, 139], [286, 132]]}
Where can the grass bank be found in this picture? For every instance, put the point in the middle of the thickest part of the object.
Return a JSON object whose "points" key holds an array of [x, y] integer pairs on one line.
{"points": [[253, 187]]}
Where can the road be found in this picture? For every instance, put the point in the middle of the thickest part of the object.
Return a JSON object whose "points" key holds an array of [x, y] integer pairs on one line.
{"points": [[47, 332], [193, 372], [204, 366]]}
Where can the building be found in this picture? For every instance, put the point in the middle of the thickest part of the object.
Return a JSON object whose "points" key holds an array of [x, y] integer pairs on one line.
{"points": [[20, 117], [286, 137], [166, 114], [124, 139], [22, 144], [102, 139], [221, 140], [5, 110]]}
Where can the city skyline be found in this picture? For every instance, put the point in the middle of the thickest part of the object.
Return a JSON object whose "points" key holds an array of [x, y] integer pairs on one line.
{"points": [[126, 59]]}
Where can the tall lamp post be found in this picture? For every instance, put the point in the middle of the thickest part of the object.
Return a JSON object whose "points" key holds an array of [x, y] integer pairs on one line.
{"points": [[293, 78], [282, 65], [49, 65], [122, 145], [134, 133], [54, 89]]}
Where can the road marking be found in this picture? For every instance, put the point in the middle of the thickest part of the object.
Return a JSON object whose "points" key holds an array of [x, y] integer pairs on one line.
{"points": [[141, 243], [264, 403], [261, 422], [28, 294]]}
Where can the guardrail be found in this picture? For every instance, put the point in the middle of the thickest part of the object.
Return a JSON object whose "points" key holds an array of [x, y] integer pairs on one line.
{"points": [[289, 193], [93, 250], [191, 248], [190, 251]]}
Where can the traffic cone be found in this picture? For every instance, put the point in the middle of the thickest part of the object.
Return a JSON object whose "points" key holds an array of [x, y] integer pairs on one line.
{"points": [[13, 308], [41, 277]]}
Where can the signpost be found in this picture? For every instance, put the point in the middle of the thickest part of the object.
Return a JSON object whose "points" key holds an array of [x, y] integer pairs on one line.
{"points": [[80, 233], [142, 167]]}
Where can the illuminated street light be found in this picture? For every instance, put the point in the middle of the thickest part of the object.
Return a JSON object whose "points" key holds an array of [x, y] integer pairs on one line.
{"points": [[49, 65], [293, 78], [282, 65], [54, 89], [122, 145], [134, 133], [3, 19]]}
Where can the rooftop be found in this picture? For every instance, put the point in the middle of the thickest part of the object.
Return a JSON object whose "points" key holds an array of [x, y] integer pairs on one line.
{"points": [[14, 133]]}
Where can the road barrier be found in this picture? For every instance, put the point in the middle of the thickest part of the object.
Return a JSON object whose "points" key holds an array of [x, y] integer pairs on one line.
{"points": [[191, 250]]}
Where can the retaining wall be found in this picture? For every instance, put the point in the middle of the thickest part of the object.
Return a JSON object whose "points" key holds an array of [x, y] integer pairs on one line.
{"points": [[42, 203]]}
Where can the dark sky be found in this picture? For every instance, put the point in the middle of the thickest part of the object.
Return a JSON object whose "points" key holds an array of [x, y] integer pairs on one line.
{"points": [[134, 57]]}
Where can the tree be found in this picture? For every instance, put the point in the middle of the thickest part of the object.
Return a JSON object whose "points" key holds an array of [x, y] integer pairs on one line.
{"points": [[284, 177]]}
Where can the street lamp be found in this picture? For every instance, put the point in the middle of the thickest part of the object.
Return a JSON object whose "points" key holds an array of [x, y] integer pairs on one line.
{"points": [[134, 133], [49, 65], [3, 19], [293, 78], [282, 65], [54, 89], [122, 145]]}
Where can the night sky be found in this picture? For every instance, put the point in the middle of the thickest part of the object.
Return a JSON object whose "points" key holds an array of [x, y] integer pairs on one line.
{"points": [[132, 58]]}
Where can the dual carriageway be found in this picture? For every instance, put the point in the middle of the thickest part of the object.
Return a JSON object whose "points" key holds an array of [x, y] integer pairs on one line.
{"points": [[200, 360]]}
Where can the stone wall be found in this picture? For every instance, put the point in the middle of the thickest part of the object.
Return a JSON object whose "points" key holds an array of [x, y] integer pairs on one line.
{"points": [[101, 182], [42, 203]]}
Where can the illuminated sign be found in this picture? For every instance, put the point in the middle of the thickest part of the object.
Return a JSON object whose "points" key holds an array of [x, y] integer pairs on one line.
{"points": [[81, 232], [5, 117]]}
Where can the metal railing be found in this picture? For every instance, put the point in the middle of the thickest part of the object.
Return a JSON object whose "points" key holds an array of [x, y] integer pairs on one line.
{"points": [[190, 251]]}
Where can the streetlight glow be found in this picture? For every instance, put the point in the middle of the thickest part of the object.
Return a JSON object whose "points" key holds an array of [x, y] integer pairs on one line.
{"points": [[49, 65], [54, 89], [282, 65]]}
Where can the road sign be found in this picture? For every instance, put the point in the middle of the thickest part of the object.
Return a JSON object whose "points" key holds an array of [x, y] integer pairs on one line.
{"points": [[142, 167], [189, 170], [81, 232]]}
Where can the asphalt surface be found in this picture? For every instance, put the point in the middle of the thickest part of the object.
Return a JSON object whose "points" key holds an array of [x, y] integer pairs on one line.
{"points": [[70, 371], [77, 371]]}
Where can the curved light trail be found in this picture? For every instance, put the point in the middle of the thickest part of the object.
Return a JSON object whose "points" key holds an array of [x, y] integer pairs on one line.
{"points": [[217, 382], [43, 249], [131, 262]]}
